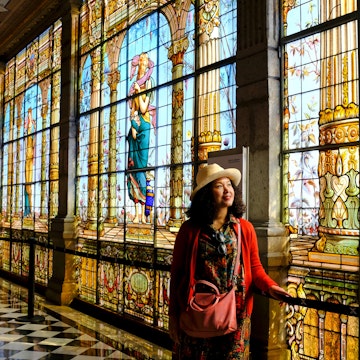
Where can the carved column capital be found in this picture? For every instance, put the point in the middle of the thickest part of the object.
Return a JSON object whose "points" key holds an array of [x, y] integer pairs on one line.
{"points": [[177, 50]]}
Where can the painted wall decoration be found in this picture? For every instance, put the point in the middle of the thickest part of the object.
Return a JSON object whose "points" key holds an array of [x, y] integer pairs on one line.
{"points": [[321, 176]]}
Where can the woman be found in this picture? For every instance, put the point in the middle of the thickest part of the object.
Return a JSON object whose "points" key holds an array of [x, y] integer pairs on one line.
{"points": [[215, 211]]}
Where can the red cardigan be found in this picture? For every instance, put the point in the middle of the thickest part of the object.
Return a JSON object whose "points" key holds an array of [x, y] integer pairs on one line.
{"points": [[187, 237]]}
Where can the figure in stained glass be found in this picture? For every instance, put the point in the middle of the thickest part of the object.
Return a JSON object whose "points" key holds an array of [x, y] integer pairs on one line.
{"points": [[141, 114], [29, 127]]}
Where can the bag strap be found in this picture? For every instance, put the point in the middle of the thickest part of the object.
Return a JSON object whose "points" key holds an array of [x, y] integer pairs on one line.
{"points": [[193, 265], [209, 284], [238, 250], [193, 260]]}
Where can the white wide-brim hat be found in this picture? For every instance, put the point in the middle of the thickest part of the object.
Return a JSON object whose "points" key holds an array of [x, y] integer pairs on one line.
{"points": [[211, 172]]}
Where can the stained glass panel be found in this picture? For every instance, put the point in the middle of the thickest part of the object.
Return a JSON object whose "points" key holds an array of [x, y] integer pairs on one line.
{"points": [[9, 80], [163, 298], [17, 257], [304, 14], [41, 265], [139, 285], [321, 163], [138, 128], [86, 268], [110, 286], [5, 255], [303, 192], [31, 152]]}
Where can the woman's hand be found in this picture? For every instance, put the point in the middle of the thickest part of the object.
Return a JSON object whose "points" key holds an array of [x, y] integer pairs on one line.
{"points": [[278, 293]]}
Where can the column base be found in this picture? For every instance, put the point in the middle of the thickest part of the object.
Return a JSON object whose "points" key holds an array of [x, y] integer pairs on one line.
{"points": [[61, 292]]}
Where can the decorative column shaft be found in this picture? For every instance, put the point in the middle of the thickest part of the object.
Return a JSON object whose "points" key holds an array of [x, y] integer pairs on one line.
{"points": [[209, 134], [176, 54], [93, 164], [45, 85], [339, 127], [113, 81], [19, 122], [54, 149]]}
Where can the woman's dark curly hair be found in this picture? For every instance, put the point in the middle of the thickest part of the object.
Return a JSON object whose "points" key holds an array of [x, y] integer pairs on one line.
{"points": [[202, 209]]}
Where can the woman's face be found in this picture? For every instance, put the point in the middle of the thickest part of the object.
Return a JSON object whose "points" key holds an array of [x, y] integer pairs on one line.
{"points": [[223, 192]]}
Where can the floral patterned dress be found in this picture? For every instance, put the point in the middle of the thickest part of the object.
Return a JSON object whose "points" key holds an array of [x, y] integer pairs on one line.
{"points": [[215, 263]]}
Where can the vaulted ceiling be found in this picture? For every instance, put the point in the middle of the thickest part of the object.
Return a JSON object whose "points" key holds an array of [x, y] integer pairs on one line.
{"points": [[22, 20]]}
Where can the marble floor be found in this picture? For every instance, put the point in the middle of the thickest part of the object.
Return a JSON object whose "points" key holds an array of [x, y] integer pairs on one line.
{"points": [[59, 332]]}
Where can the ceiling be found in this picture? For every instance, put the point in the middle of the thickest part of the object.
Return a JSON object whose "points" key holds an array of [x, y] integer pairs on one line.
{"points": [[22, 20]]}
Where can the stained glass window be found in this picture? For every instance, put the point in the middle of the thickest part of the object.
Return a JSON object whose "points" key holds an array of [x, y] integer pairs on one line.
{"points": [[30, 164], [156, 94], [321, 175]]}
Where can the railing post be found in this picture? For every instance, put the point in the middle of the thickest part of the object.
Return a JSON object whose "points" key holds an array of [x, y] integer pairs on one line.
{"points": [[31, 287]]}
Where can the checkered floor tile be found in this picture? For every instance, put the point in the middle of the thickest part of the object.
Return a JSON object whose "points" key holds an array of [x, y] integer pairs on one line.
{"points": [[44, 336]]}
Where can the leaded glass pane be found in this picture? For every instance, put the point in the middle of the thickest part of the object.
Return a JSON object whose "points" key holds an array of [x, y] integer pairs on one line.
{"points": [[321, 165], [303, 190], [304, 14], [140, 129], [31, 152]]}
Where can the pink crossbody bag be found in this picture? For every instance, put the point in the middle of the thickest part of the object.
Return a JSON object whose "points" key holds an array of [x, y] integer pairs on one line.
{"points": [[210, 314]]}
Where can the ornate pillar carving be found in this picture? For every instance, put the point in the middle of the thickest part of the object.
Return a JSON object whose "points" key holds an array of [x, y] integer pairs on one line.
{"points": [[19, 123], [209, 134], [54, 149], [339, 125], [44, 86], [176, 54], [10, 165], [93, 167], [113, 79]]}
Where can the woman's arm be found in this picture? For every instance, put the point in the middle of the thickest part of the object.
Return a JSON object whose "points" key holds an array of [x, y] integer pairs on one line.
{"points": [[261, 279], [258, 274], [179, 273]]}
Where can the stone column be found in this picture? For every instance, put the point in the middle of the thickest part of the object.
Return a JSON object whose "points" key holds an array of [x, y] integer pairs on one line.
{"points": [[62, 285], [258, 127]]}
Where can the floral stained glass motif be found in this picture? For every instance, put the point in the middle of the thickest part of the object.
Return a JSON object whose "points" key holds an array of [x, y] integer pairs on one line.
{"points": [[321, 176], [300, 15]]}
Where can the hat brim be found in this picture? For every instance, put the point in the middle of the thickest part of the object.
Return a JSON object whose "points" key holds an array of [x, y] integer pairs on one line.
{"points": [[232, 173]]}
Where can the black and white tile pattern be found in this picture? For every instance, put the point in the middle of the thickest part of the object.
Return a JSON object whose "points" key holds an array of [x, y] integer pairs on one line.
{"points": [[60, 332]]}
